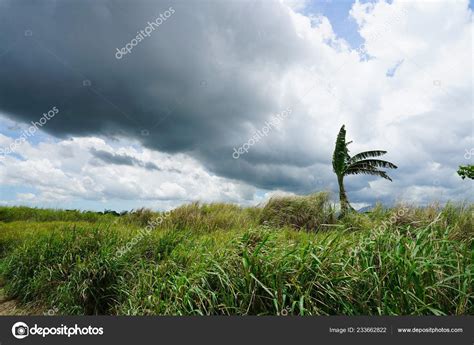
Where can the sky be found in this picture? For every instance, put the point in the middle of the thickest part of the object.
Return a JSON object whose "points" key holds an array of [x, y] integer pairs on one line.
{"points": [[124, 104]]}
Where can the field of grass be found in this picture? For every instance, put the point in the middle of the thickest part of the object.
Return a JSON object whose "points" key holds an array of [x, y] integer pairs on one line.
{"points": [[291, 257]]}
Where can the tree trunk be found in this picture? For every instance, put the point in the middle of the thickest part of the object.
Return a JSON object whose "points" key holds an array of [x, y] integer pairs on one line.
{"points": [[342, 196]]}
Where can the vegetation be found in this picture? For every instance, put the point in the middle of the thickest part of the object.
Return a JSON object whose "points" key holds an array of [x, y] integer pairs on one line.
{"points": [[362, 163], [10, 214], [311, 212], [466, 171], [290, 256]]}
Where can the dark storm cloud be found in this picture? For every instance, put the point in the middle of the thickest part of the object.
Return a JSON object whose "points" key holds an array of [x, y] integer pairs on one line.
{"points": [[191, 86], [122, 159]]}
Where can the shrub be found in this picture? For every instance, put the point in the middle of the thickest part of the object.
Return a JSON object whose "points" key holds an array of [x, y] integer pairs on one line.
{"points": [[210, 217], [139, 217], [300, 212]]}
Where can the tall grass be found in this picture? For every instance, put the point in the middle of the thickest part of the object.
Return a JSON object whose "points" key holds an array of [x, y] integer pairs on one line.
{"points": [[300, 212], [212, 217], [221, 260]]}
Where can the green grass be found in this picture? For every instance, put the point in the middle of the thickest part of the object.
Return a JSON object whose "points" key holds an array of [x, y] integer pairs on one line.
{"points": [[290, 256], [21, 213]]}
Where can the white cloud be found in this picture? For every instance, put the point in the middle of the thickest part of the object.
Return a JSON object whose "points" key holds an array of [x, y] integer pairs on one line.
{"points": [[66, 171]]}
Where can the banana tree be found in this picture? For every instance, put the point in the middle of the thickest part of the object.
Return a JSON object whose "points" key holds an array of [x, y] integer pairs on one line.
{"points": [[362, 163]]}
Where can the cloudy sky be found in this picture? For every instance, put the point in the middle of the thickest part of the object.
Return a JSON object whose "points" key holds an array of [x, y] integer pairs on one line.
{"points": [[149, 100]]}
